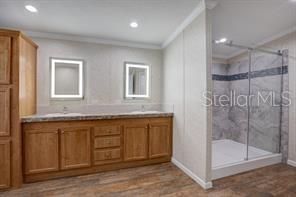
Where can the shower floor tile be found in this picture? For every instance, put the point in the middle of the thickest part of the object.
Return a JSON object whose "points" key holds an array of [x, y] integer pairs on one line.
{"points": [[226, 152]]}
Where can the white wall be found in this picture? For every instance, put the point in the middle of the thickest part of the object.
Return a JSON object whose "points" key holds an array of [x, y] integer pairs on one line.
{"points": [[104, 70], [185, 79]]}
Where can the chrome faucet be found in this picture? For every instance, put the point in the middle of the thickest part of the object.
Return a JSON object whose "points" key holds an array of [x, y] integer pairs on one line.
{"points": [[65, 110]]}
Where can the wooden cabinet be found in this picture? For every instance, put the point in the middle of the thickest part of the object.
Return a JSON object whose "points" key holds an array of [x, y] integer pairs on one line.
{"points": [[4, 164], [41, 151], [4, 111], [135, 141], [75, 148], [68, 148], [52, 149], [15, 68], [5, 54], [159, 139], [147, 139]]}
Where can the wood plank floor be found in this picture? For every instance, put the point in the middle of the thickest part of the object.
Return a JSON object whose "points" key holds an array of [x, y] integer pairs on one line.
{"points": [[165, 180]]}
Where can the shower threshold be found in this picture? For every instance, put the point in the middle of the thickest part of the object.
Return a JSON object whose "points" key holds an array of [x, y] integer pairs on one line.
{"points": [[228, 158]]}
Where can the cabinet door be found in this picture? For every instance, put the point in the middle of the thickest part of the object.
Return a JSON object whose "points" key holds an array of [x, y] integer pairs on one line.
{"points": [[75, 148], [5, 48], [4, 164], [159, 139], [135, 142], [4, 111], [41, 151]]}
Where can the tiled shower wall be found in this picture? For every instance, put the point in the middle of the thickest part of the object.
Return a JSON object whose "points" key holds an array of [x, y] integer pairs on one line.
{"points": [[230, 121]]}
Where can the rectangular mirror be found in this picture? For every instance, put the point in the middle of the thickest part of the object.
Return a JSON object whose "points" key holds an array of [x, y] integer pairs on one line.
{"points": [[137, 80], [66, 79]]}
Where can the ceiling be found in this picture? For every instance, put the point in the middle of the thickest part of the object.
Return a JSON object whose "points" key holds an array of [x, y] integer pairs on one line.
{"points": [[245, 22], [251, 22], [103, 19]]}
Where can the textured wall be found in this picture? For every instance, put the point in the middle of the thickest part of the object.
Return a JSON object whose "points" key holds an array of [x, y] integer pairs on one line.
{"points": [[104, 67], [185, 80], [221, 122]]}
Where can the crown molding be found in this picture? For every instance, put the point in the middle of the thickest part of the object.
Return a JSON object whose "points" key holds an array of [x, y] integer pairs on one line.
{"points": [[58, 36], [197, 11]]}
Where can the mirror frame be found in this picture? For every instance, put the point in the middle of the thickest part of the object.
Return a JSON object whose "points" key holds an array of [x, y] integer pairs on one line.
{"points": [[80, 63], [128, 65]]}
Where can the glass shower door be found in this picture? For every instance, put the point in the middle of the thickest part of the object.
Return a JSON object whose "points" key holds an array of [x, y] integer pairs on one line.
{"points": [[265, 99]]}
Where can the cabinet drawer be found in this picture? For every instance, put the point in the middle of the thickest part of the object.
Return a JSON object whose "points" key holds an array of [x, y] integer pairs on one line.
{"points": [[105, 142], [105, 155], [107, 130]]}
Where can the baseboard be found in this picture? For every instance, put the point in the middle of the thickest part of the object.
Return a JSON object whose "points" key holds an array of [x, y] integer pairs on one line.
{"points": [[205, 185], [291, 163]]}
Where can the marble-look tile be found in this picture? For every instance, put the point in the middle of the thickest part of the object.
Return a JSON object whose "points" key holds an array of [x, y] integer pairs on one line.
{"points": [[268, 124]]}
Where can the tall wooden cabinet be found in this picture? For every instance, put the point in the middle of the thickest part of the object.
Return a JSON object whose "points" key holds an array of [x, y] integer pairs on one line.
{"points": [[17, 87]]}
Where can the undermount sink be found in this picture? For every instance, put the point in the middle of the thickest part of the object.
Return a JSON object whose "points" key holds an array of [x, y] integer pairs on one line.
{"points": [[62, 114], [144, 112]]}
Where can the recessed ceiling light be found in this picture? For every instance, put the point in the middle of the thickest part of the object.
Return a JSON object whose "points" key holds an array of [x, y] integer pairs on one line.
{"points": [[134, 25], [31, 8]]}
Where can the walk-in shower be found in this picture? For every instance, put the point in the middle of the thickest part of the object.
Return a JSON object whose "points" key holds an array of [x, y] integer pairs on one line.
{"points": [[249, 112]]}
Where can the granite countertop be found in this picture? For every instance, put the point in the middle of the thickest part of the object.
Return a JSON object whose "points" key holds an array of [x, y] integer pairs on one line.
{"points": [[77, 116]]}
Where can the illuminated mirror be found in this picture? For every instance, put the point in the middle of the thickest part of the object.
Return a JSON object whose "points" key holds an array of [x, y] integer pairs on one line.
{"points": [[137, 80], [66, 79]]}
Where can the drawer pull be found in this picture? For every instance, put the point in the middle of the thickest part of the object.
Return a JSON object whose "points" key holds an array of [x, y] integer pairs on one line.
{"points": [[105, 142]]}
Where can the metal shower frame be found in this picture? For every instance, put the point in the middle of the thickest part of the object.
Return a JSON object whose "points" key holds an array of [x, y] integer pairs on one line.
{"points": [[250, 50]]}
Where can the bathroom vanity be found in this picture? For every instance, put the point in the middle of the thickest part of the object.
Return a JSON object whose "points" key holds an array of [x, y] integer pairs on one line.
{"points": [[60, 146], [42, 147]]}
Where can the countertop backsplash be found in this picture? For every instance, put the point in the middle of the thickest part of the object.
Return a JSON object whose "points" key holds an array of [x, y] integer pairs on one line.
{"points": [[111, 108]]}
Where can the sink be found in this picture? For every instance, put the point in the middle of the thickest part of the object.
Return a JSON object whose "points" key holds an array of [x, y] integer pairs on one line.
{"points": [[62, 114], [144, 112]]}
